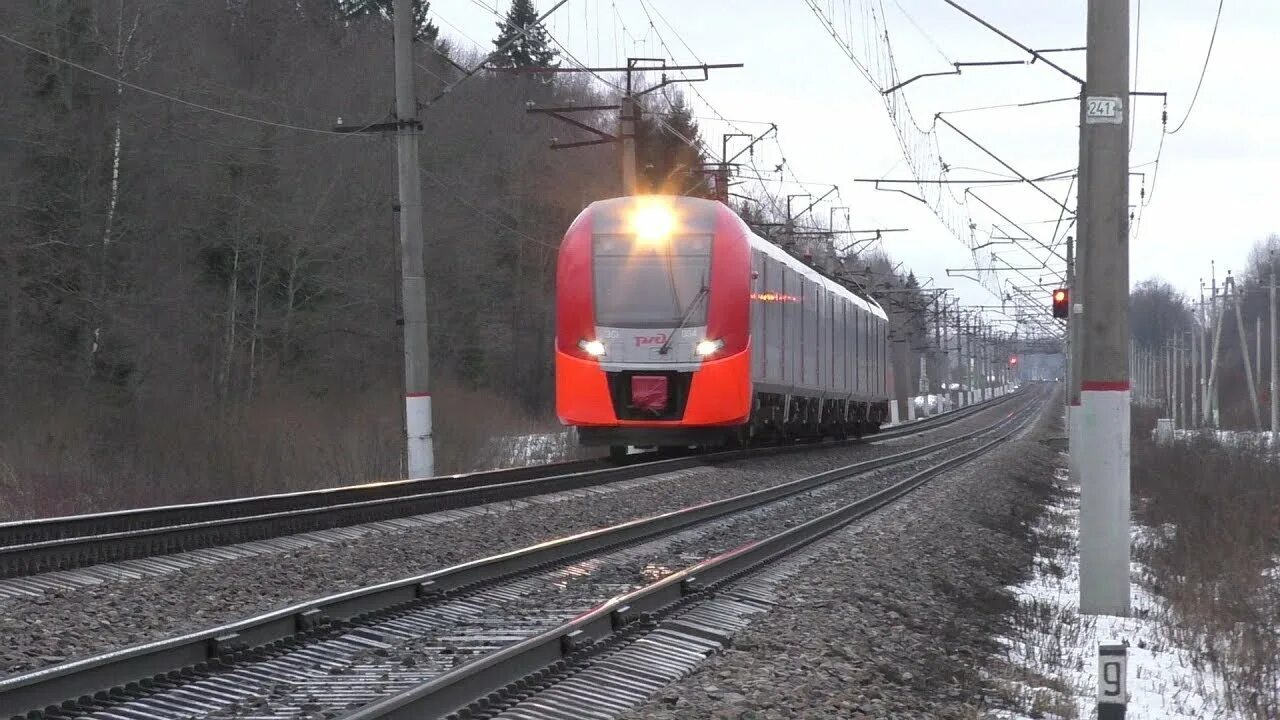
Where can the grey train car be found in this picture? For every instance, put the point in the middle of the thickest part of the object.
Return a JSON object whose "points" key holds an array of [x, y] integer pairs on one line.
{"points": [[820, 352]]}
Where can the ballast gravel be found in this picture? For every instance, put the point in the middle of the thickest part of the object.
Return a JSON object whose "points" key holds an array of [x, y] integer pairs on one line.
{"points": [[64, 625], [895, 617]]}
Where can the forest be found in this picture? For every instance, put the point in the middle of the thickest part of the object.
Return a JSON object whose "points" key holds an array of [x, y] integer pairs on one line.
{"points": [[200, 274], [1160, 315]]}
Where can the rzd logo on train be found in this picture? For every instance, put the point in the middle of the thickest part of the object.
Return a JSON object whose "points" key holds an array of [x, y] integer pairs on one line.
{"points": [[642, 340]]}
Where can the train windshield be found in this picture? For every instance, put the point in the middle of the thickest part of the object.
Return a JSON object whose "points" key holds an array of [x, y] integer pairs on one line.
{"points": [[641, 287]]}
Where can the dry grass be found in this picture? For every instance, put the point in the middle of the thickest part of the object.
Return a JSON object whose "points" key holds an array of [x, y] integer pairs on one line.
{"points": [[1215, 556], [74, 457], [1044, 638]]}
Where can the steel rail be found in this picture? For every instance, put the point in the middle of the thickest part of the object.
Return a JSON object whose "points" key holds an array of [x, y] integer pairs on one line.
{"points": [[505, 677], [108, 678], [43, 545]]}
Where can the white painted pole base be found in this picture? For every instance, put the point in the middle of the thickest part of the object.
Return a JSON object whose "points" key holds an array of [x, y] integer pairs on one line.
{"points": [[1103, 462], [893, 412], [417, 413], [911, 409]]}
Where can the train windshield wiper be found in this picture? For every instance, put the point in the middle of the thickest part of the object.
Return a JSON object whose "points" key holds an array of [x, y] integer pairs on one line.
{"points": [[684, 318]]}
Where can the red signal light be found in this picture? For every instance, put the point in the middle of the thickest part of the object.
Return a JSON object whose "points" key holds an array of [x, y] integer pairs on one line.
{"points": [[1013, 360], [1060, 303]]}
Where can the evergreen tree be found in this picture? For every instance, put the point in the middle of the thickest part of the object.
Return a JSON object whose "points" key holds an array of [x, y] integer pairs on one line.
{"points": [[426, 30], [667, 154], [533, 49]]}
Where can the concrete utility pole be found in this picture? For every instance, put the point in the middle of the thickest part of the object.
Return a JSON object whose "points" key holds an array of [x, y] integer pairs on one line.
{"points": [[1071, 332], [990, 355], [901, 380], [724, 167], [627, 141], [1180, 365], [1257, 347], [946, 359], [1202, 380], [789, 228], [962, 393], [1244, 351], [1168, 379], [1275, 365], [1136, 363], [1217, 310], [1075, 314], [1195, 374], [937, 351], [1104, 376], [417, 395]]}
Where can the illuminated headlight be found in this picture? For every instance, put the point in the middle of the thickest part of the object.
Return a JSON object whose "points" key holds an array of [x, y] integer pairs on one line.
{"points": [[708, 347], [594, 348], [653, 221]]}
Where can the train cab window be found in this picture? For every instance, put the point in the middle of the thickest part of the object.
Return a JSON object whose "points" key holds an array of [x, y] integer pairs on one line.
{"points": [[651, 287]]}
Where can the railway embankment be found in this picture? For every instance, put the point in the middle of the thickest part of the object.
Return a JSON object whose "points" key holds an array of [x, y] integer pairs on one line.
{"points": [[897, 615]]}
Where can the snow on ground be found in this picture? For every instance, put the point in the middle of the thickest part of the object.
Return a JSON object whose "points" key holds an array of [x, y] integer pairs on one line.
{"points": [[531, 449], [1230, 438], [1052, 656]]}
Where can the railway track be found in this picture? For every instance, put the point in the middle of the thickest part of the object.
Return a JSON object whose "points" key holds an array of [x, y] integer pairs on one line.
{"points": [[49, 544], [489, 629]]}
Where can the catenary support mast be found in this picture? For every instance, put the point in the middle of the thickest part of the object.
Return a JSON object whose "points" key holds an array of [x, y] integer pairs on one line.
{"points": [[1104, 377], [417, 395]]}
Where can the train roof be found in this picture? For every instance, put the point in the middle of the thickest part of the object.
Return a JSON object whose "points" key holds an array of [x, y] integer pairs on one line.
{"points": [[866, 302], [813, 275]]}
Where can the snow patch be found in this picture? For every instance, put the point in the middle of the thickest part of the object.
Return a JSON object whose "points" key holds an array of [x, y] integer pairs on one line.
{"points": [[1052, 655], [1228, 438], [531, 449]]}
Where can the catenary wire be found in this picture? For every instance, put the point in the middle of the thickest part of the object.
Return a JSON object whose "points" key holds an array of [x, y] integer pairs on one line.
{"points": [[1204, 68]]}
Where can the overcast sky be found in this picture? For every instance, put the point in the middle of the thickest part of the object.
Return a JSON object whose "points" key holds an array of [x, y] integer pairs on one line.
{"points": [[1214, 194]]}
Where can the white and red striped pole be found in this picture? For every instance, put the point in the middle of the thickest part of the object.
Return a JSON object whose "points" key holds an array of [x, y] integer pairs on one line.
{"points": [[1103, 426]]}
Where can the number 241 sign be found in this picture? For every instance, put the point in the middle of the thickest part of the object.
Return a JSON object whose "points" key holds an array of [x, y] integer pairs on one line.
{"points": [[1102, 109]]}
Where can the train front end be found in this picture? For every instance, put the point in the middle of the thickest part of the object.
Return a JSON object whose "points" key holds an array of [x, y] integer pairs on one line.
{"points": [[653, 318]]}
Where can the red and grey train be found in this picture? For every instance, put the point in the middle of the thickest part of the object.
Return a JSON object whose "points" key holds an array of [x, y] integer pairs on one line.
{"points": [[677, 326]]}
